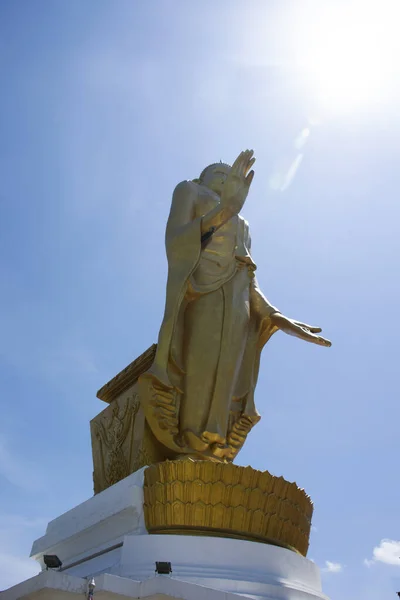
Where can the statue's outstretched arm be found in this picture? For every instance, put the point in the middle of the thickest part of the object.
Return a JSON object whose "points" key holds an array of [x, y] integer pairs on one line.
{"points": [[259, 302], [265, 310]]}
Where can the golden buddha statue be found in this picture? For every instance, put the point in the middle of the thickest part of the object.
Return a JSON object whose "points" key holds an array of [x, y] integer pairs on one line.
{"points": [[198, 396]]}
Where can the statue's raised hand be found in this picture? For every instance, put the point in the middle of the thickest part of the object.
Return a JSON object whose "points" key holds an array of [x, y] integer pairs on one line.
{"points": [[298, 329], [237, 184]]}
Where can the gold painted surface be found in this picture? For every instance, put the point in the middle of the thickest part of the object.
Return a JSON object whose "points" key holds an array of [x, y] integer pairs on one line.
{"points": [[207, 498], [122, 442], [198, 393], [126, 378], [192, 394]]}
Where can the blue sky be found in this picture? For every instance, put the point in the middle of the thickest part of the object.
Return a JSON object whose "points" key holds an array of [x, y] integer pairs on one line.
{"points": [[105, 106]]}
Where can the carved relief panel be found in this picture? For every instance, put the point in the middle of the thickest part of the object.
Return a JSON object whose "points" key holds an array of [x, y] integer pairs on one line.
{"points": [[121, 441]]}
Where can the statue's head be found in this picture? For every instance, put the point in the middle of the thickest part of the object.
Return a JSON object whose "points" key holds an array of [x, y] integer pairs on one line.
{"points": [[214, 176]]}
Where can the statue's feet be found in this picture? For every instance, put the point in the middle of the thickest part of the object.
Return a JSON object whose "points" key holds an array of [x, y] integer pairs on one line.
{"points": [[211, 437], [222, 451], [193, 457], [194, 441], [158, 402]]}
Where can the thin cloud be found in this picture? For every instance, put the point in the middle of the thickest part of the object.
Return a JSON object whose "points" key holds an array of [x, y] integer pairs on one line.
{"points": [[368, 563], [53, 353], [387, 552], [72, 357], [332, 567], [17, 533], [14, 569], [18, 470]]}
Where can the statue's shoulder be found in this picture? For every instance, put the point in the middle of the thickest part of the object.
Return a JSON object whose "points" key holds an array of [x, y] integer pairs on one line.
{"points": [[245, 224], [245, 231], [186, 187], [243, 221]]}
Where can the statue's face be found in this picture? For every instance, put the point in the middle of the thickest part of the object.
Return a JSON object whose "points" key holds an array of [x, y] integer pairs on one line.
{"points": [[215, 176]]}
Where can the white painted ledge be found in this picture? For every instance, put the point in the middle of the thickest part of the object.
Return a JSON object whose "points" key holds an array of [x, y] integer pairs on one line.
{"points": [[106, 538], [48, 584], [228, 565], [58, 586], [97, 524]]}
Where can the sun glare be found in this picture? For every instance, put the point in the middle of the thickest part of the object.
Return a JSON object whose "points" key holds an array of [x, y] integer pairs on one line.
{"points": [[350, 52]]}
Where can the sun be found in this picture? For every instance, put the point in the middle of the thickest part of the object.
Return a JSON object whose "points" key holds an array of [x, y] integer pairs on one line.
{"points": [[349, 52]]}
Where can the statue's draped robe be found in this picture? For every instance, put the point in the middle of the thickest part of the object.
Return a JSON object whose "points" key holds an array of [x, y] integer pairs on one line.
{"points": [[215, 324]]}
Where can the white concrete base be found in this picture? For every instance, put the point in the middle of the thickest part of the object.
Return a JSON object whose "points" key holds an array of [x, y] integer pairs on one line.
{"points": [[228, 565], [106, 538], [96, 525], [50, 585]]}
